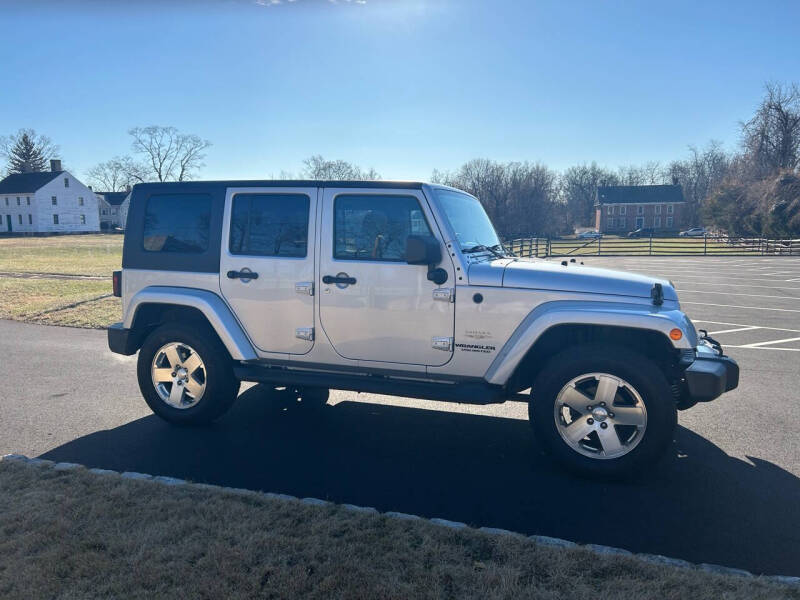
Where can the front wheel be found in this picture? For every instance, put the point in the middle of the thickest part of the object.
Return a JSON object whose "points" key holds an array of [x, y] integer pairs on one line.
{"points": [[603, 410], [186, 375]]}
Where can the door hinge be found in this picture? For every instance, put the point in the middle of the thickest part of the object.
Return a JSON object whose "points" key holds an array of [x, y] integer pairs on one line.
{"points": [[444, 294], [304, 333], [442, 343], [304, 287]]}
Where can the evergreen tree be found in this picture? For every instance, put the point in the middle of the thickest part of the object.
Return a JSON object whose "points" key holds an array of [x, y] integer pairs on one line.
{"points": [[27, 151]]}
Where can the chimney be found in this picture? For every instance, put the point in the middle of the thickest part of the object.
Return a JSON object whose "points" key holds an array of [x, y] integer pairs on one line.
{"points": [[55, 165], [90, 188]]}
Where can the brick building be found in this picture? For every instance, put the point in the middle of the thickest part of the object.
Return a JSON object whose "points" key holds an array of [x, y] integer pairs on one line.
{"points": [[623, 208]]}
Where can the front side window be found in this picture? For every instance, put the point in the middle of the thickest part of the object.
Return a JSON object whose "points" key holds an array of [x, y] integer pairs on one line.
{"points": [[270, 225], [177, 223], [375, 227]]}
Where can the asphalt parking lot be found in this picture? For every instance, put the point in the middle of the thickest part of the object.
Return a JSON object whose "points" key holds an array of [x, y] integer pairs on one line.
{"points": [[728, 492]]}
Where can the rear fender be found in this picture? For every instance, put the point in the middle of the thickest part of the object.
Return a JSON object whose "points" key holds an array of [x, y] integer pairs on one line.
{"points": [[213, 308]]}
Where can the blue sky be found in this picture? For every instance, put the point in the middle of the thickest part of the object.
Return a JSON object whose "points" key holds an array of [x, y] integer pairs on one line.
{"points": [[401, 86]]}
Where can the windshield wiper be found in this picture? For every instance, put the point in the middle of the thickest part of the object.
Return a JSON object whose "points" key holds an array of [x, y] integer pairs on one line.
{"points": [[495, 250]]}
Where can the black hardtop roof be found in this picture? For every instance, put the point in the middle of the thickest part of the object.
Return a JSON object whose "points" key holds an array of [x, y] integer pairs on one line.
{"points": [[198, 185]]}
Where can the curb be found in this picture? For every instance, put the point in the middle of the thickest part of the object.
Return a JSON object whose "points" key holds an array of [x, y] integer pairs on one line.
{"points": [[542, 540]]}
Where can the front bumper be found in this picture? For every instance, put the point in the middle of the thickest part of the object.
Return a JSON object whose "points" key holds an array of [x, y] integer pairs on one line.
{"points": [[711, 374]]}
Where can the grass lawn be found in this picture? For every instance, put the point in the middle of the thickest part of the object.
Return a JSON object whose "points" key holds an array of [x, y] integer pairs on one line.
{"points": [[73, 534], [70, 254], [75, 302]]}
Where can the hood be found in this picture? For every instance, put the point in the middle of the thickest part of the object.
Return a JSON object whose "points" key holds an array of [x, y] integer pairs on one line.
{"points": [[553, 276]]}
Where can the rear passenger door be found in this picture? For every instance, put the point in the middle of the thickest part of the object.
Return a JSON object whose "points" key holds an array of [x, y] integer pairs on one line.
{"points": [[267, 265]]}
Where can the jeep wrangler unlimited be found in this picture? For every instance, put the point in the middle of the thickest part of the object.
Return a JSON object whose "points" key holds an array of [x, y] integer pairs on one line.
{"points": [[403, 289]]}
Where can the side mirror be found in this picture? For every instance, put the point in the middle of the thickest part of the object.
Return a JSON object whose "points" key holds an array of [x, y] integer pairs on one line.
{"points": [[423, 250]]}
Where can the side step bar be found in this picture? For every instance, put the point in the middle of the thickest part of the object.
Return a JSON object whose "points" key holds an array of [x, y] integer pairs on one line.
{"points": [[467, 392]]}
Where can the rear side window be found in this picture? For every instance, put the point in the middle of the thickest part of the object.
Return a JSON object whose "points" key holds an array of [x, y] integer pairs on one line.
{"points": [[177, 223], [368, 227], [269, 225]]}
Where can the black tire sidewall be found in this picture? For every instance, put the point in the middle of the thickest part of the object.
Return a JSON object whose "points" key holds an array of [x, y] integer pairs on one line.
{"points": [[640, 372], [221, 385]]}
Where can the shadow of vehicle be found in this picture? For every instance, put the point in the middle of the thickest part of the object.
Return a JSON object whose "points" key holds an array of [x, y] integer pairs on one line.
{"points": [[698, 503]]}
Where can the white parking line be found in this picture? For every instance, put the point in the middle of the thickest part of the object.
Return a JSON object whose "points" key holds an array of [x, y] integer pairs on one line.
{"points": [[736, 294], [743, 325], [764, 348], [792, 310], [748, 285], [759, 344], [752, 327]]}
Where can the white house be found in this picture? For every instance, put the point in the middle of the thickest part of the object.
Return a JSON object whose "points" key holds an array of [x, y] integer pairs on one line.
{"points": [[111, 209], [47, 202]]}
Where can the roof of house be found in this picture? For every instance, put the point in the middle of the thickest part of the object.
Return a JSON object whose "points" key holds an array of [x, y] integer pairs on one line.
{"points": [[639, 194], [20, 183], [113, 198]]}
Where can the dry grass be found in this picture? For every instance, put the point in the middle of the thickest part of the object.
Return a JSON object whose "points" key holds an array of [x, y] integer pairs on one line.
{"points": [[78, 535], [34, 299], [70, 254], [95, 314]]}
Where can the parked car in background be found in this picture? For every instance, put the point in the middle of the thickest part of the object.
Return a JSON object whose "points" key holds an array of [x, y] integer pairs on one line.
{"points": [[641, 232], [694, 232], [589, 235]]}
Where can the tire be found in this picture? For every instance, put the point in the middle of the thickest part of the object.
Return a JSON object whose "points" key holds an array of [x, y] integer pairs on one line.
{"points": [[633, 438], [207, 387], [313, 398]]}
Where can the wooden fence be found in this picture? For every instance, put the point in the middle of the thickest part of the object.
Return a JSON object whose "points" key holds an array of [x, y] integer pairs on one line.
{"points": [[652, 246]]}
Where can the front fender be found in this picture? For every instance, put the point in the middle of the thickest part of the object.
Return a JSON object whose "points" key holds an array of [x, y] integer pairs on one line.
{"points": [[214, 309], [550, 314]]}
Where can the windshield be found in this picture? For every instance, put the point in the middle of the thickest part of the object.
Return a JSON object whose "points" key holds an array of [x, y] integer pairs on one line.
{"points": [[469, 221]]}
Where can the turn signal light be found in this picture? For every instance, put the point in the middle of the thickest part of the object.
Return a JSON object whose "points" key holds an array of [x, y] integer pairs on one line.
{"points": [[676, 334]]}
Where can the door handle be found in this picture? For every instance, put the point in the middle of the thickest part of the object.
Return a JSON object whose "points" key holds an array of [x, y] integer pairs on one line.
{"points": [[339, 279], [243, 274]]}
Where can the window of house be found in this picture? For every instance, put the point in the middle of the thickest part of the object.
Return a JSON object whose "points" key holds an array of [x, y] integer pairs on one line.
{"points": [[66, 182], [623, 210], [83, 219], [639, 222], [670, 209], [373, 227], [177, 223], [103, 212], [80, 200], [6, 200], [669, 222], [55, 219], [18, 201], [19, 219], [656, 222], [640, 210], [54, 200], [30, 219], [610, 223], [658, 209], [269, 225], [610, 210]]}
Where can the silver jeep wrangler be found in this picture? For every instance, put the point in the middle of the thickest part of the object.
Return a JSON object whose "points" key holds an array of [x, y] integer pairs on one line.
{"points": [[405, 289]]}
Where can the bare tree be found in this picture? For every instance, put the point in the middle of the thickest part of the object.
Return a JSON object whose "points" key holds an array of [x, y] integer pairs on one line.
{"points": [[316, 167], [771, 138], [579, 189], [27, 151], [117, 174], [168, 154]]}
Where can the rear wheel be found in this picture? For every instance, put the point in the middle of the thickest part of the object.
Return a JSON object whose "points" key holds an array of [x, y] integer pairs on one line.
{"points": [[603, 410], [186, 375]]}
